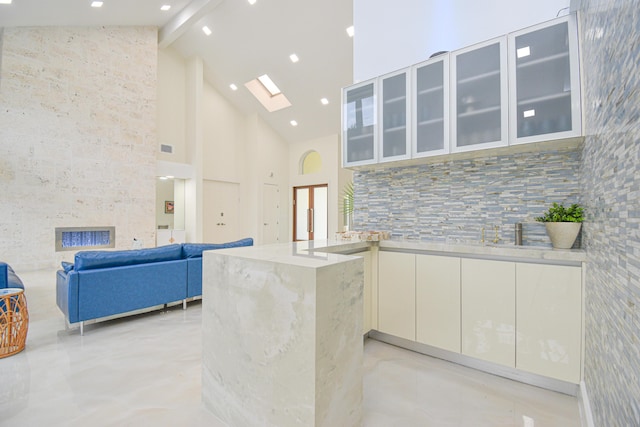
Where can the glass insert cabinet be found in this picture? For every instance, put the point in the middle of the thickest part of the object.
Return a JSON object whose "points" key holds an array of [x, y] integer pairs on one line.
{"points": [[545, 93], [359, 124], [431, 107], [520, 88], [479, 96]]}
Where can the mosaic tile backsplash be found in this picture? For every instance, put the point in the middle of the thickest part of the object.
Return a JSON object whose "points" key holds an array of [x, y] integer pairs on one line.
{"points": [[453, 201], [610, 41]]}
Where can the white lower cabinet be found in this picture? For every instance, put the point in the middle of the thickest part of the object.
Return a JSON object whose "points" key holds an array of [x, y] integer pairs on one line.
{"points": [[438, 301], [397, 294], [488, 310], [549, 319]]}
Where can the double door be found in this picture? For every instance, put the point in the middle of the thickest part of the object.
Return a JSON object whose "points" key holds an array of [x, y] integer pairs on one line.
{"points": [[310, 212]]}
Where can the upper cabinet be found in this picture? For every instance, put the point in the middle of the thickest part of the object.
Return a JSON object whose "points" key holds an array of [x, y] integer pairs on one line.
{"points": [[479, 95], [395, 135], [523, 87], [430, 107], [545, 85], [359, 117]]}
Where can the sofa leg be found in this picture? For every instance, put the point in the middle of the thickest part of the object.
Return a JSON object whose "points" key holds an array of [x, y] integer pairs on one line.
{"points": [[81, 328], [184, 304]]}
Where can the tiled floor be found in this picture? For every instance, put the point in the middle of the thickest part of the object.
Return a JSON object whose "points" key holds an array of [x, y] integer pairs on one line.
{"points": [[145, 371]]}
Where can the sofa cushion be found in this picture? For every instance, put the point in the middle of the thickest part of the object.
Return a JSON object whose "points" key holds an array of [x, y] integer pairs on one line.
{"points": [[89, 260], [13, 281], [194, 250]]}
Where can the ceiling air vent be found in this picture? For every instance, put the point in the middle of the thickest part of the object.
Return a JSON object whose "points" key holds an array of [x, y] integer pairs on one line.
{"points": [[165, 148]]}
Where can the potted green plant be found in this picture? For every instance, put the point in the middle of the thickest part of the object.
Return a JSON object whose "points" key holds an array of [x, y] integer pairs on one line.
{"points": [[563, 224], [347, 204]]}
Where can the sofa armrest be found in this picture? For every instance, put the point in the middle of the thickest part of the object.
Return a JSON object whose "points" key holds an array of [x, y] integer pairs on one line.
{"points": [[67, 294], [9, 278], [3, 275]]}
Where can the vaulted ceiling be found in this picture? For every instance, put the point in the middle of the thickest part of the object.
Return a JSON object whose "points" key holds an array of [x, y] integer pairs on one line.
{"points": [[246, 41]]}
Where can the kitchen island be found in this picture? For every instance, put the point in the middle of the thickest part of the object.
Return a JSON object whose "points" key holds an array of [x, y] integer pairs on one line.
{"points": [[282, 336]]}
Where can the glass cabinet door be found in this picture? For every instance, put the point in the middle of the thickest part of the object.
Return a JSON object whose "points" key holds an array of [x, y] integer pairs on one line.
{"points": [[394, 107], [430, 94], [479, 96], [358, 124], [545, 95]]}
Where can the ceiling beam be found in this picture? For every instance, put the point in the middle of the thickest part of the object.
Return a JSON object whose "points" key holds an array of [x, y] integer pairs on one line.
{"points": [[183, 20]]}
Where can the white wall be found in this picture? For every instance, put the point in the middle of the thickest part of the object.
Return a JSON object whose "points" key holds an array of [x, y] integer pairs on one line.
{"points": [[224, 138], [224, 144], [171, 105], [390, 35], [266, 162], [77, 137]]}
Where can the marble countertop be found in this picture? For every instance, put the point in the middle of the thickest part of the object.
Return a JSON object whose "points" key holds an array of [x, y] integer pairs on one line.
{"points": [[491, 250], [313, 254], [320, 253]]}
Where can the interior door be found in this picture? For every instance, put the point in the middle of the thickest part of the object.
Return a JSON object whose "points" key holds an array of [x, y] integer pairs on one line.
{"points": [[270, 214], [310, 213], [221, 202]]}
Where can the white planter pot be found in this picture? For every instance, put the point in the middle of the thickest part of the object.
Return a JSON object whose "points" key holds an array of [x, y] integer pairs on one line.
{"points": [[563, 234]]}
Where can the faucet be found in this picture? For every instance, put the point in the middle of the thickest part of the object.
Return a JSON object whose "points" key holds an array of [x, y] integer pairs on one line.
{"points": [[497, 238]]}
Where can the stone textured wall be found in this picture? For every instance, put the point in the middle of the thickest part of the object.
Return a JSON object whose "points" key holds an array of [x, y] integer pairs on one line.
{"points": [[77, 137], [452, 201], [610, 40]]}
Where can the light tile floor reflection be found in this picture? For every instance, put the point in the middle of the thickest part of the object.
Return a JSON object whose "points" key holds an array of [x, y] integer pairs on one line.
{"points": [[145, 371]]}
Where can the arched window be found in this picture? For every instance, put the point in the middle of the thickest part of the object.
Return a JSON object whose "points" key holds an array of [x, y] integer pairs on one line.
{"points": [[311, 162]]}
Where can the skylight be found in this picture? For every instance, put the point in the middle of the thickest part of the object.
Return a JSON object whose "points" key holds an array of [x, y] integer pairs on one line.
{"points": [[267, 93], [269, 85], [165, 7], [96, 4]]}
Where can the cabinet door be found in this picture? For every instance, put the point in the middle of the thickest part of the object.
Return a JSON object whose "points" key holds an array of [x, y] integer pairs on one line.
{"points": [[430, 95], [479, 96], [544, 85], [359, 115], [397, 294], [488, 310], [395, 135], [549, 319], [438, 301]]}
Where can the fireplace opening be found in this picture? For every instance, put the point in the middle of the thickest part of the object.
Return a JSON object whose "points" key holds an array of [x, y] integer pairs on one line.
{"points": [[74, 238]]}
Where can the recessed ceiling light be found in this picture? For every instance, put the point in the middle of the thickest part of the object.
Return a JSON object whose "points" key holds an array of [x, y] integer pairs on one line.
{"points": [[269, 85], [165, 7], [233, 86], [324, 101], [293, 123], [96, 4], [5, 1], [206, 30], [294, 58], [252, 1], [350, 31]]}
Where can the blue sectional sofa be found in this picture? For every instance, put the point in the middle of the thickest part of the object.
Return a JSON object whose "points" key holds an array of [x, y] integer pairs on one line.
{"points": [[107, 283], [9, 278]]}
